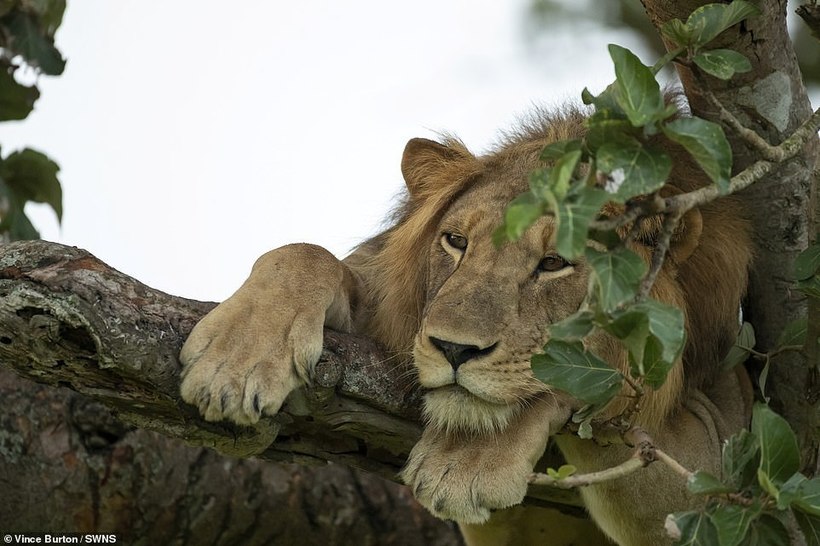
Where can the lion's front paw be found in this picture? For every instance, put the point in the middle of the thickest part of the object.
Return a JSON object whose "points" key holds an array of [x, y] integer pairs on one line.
{"points": [[465, 482], [238, 367]]}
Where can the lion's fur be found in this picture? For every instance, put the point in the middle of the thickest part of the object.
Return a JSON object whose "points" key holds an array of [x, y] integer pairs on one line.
{"points": [[484, 434]]}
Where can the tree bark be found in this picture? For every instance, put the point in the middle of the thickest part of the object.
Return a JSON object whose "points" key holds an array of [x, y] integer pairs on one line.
{"points": [[69, 320], [772, 100]]}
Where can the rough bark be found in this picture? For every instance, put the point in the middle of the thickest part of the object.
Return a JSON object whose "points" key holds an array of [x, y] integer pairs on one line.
{"points": [[772, 100], [68, 320]]}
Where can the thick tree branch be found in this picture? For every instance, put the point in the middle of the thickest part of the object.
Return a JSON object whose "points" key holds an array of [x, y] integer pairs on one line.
{"points": [[68, 319]]}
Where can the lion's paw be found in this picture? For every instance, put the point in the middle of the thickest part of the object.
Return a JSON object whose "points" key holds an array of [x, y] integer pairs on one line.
{"points": [[238, 370], [465, 483]]}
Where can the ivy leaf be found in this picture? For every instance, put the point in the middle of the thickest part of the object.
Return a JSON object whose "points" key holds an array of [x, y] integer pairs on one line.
{"points": [[779, 454], [740, 350], [810, 286], [732, 522], [573, 216], [573, 328], [32, 176], [618, 275], [707, 144], [639, 94], [36, 47], [703, 483], [634, 169], [740, 460], [16, 100], [567, 366], [565, 471], [722, 63], [696, 529], [706, 22]]}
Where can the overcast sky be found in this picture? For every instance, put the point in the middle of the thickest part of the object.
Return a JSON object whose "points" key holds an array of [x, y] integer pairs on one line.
{"points": [[194, 135]]}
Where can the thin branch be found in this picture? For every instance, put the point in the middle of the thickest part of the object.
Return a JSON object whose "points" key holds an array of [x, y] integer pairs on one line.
{"points": [[626, 468], [645, 454], [670, 224]]}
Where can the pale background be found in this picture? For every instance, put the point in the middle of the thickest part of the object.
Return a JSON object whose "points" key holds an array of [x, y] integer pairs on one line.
{"points": [[194, 135]]}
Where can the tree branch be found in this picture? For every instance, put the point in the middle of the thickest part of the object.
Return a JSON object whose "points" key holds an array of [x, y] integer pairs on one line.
{"points": [[68, 319]]}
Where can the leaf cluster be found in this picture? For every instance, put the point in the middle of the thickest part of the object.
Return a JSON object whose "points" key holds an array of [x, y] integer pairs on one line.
{"points": [[27, 30], [761, 495], [617, 165]]}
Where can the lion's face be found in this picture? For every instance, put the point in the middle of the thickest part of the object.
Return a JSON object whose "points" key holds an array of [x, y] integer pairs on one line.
{"points": [[488, 308]]}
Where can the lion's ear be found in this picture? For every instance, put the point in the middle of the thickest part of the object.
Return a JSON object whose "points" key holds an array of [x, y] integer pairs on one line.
{"points": [[428, 166]]}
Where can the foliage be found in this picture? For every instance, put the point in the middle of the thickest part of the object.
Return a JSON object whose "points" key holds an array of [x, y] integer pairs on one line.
{"points": [[762, 494], [617, 162], [27, 30]]}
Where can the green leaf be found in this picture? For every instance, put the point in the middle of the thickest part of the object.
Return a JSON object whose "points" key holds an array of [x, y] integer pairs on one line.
{"points": [[722, 63], [706, 22], [794, 333], [810, 525], [808, 498], [677, 32], [634, 169], [573, 216], [639, 94], [567, 366], [16, 100], [807, 263], [703, 483], [767, 484], [740, 350], [654, 334], [573, 328], [779, 454], [556, 150], [32, 176], [49, 12], [740, 460], [767, 531], [810, 287], [36, 47], [602, 130], [521, 213], [707, 144], [618, 275], [565, 471], [732, 522], [15, 223], [561, 174], [790, 491], [606, 103], [696, 529]]}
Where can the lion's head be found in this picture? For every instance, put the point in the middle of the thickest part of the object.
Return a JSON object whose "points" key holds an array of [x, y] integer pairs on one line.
{"points": [[475, 312]]}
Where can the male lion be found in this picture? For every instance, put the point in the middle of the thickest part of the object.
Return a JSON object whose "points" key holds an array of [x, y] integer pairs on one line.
{"points": [[473, 314]]}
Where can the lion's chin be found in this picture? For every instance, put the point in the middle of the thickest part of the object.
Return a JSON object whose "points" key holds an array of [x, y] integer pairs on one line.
{"points": [[454, 409]]}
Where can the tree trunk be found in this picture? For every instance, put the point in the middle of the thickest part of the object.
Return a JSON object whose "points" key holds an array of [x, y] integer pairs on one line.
{"points": [[67, 319], [772, 100]]}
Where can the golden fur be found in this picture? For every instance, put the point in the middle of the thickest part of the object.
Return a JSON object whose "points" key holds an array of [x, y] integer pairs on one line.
{"points": [[486, 310]]}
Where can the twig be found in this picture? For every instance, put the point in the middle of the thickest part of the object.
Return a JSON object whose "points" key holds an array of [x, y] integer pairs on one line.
{"points": [[627, 467], [670, 224], [645, 454]]}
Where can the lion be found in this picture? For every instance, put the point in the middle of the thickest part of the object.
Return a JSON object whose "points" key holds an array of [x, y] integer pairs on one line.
{"points": [[472, 314]]}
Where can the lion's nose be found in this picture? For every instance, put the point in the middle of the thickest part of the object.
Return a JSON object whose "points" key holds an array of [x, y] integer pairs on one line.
{"points": [[457, 354]]}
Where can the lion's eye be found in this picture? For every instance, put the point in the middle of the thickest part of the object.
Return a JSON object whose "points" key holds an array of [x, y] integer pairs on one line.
{"points": [[457, 242], [553, 262]]}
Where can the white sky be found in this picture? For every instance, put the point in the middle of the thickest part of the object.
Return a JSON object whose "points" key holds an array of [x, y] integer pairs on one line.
{"points": [[194, 136]]}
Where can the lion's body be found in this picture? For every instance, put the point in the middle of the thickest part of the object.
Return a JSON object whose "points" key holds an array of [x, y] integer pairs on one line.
{"points": [[472, 314]]}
